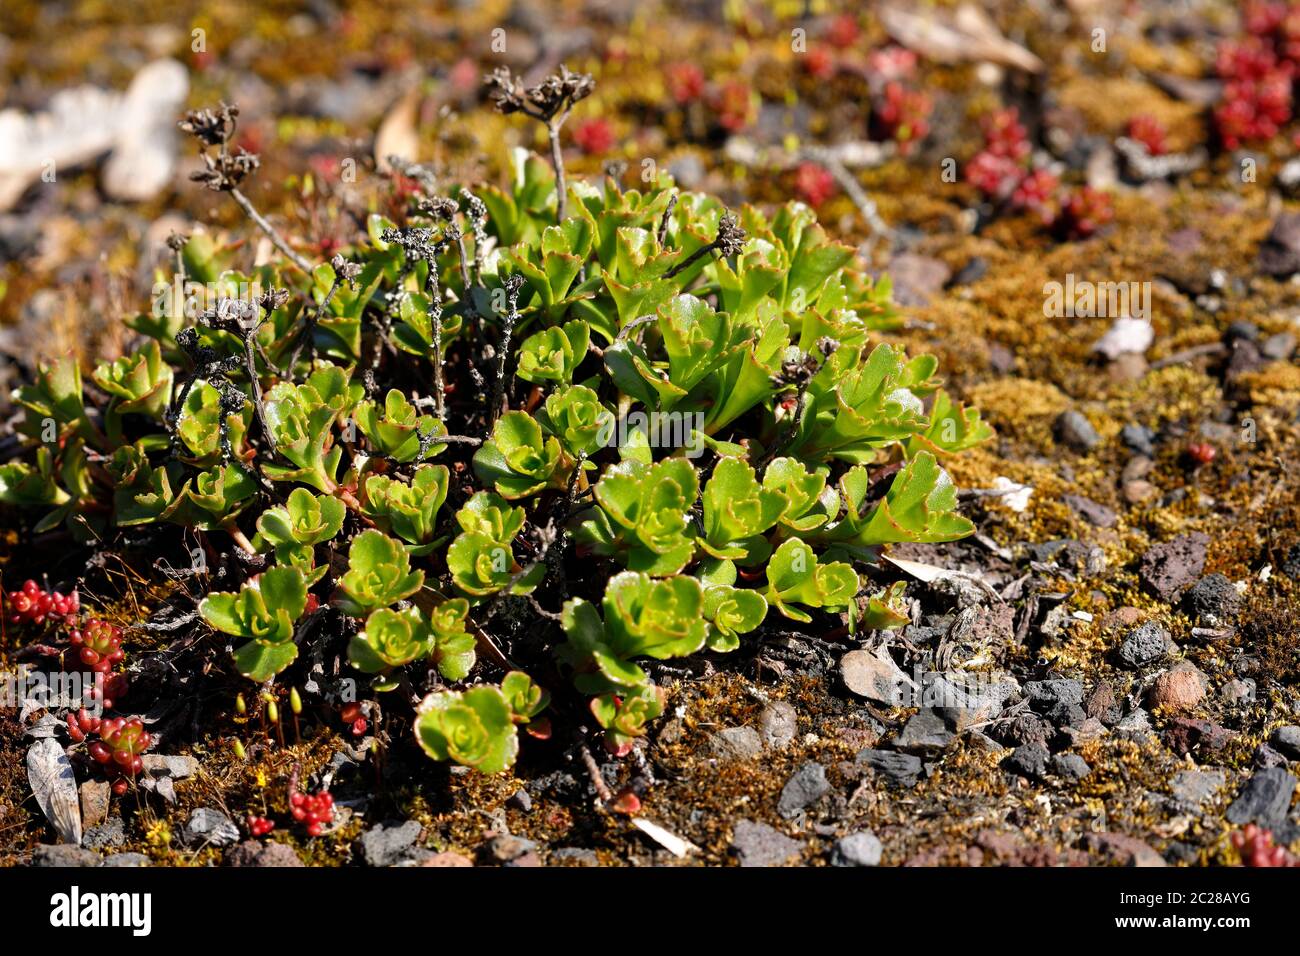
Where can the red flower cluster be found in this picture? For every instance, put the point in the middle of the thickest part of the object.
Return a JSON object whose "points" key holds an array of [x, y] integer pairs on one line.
{"points": [[259, 826], [1084, 211], [734, 103], [314, 810], [685, 82], [1000, 167], [100, 643], [1150, 132], [35, 605], [813, 183], [1255, 846], [843, 31], [594, 135], [118, 749], [903, 115], [1258, 71], [1037, 193], [818, 63]]}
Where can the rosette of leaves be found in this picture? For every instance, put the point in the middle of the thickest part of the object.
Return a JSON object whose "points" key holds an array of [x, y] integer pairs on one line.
{"points": [[199, 425], [624, 716], [853, 410], [294, 529], [263, 612], [212, 499], [574, 414], [643, 617], [393, 638], [55, 398], [953, 428], [527, 701], [738, 512], [141, 492], [519, 460], [552, 355], [379, 574], [396, 430], [794, 577], [642, 514], [27, 486], [731, 612], [409, 511], [696, 340], [551, 267], [475, 728], [301, 423], [481, 559], [809, 502], [139, 382]]}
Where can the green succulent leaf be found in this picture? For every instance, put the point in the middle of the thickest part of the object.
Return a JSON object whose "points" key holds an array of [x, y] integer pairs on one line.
{"points": [[379, 574], [474, 728], [794, 577], [518, 461], [409, 511]]}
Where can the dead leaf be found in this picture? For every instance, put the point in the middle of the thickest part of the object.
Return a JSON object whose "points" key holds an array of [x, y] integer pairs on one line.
{"points": [[397, 134], [669, 841], [952, 37], [49, 772]]}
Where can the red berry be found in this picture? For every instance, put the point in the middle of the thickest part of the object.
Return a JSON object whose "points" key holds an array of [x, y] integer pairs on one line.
{"points": [[1150, 132], [1201, 452], [350, 712], [359, 726]]}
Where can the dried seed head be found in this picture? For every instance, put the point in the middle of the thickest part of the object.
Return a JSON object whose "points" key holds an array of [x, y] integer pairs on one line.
{"points": [[345, 270], [730, 238], [211, 127], [553, 96]]}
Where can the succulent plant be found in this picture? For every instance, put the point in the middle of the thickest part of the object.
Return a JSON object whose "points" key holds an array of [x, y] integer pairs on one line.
{"points": [[409, 511], [264, 612], [379, 574], [295, 528], [475, 728]]}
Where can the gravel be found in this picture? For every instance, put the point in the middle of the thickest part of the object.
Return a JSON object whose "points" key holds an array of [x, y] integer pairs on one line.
{"points": [[1192, 788], [1212, 600], [1070, 766], [924, 732], [875, 677], [1073, 430], [1169, 567], [778, 724], [857, 849], [757, 844], [902, 769], [1029, 760], [735, 743], [387, 844], [209, 827], [1286, 740], [804, 788], [1146, 644]]}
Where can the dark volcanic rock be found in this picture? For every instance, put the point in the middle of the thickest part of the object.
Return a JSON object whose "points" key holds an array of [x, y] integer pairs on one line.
{"points": [[1265, 799], [1146, 644], [1029, 760], [1279, 254], [1168, 567], [1212, 600]]}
